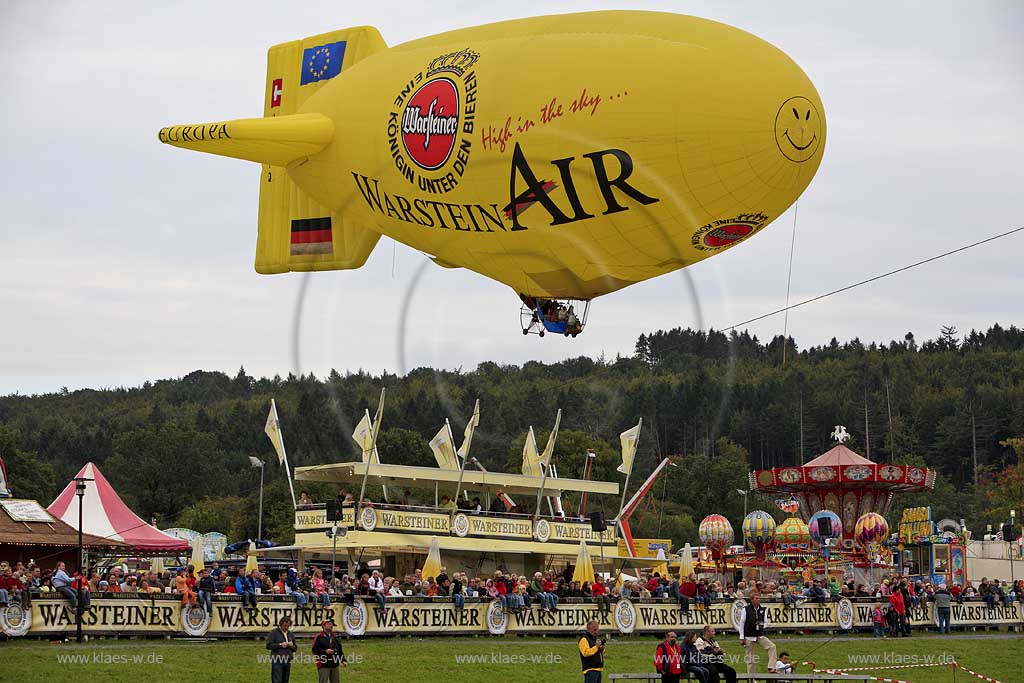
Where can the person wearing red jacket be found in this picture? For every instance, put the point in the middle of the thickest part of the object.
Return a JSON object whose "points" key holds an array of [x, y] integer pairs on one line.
{"points": [[897, 604], [668, 659], [548, 586], [328, 654], [687, 592], [80, 580], [16, 590], [502, 588], [600, 593]]}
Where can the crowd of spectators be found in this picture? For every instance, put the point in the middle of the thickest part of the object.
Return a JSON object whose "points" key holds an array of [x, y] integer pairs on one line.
{"points": [[893, 597]]}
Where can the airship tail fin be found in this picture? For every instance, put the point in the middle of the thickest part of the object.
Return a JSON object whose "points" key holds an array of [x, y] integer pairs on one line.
{"points": [[297, 233]]}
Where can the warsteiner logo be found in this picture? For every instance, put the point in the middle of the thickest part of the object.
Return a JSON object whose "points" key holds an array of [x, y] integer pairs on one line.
{"points": [[723, 233], [431, 128], [430, 123]]}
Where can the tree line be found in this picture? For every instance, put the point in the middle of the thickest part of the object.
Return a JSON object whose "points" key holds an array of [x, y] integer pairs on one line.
{"points": [[719, 404]]}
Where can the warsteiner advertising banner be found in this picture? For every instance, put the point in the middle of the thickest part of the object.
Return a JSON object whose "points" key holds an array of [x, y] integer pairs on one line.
{"points": [[164, 614]]}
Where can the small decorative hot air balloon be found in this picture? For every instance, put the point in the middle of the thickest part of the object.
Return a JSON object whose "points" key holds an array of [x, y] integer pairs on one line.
{"points": [[792, 533], [759, 531], [716, 533], [814, 526], [871, 529]]}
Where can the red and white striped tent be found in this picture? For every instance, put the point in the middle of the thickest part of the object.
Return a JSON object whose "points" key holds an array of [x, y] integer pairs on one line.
{"points": [[105, 514]]}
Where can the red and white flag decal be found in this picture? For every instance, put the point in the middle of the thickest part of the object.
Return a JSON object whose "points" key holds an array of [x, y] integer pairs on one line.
{"points": [[276, 91]]}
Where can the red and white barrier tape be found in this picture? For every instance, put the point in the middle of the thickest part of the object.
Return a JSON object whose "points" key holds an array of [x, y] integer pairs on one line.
{"points": [[905, 666], [892, 666], [874, 678], [975, 673]]}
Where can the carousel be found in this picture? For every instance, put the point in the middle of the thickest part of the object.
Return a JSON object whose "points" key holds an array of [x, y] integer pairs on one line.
{"points": [[844, 482], [835, 525]]}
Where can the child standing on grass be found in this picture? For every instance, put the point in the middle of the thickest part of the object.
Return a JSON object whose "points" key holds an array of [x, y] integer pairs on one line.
{"points": [[878, 621], [892, 622]]}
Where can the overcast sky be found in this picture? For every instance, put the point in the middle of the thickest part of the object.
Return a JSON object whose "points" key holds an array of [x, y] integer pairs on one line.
{"points": [[125, 260]]}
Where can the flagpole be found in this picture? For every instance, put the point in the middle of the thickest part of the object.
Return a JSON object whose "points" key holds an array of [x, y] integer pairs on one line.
{"points": [[287, 469], [546, 465], [465, 461], [467, 440], [586, 477], [369, 454], [376, 429], [467, 435], [625, 488], [540, 491]]}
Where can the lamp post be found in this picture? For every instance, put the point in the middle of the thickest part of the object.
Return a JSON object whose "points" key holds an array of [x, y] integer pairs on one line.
{"points": [[744, 494], [256, 462], [1013, 529], [80, 492], [825, 552], [333, 533]]}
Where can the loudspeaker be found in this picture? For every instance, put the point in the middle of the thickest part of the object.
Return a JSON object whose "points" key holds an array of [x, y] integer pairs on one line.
{"points": [[1009, 533], [597, 522], [825, 527], [333, 511]]}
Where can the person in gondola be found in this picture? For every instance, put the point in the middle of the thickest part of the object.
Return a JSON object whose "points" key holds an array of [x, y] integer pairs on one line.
{"points": [[572, 322], [553, 309]]}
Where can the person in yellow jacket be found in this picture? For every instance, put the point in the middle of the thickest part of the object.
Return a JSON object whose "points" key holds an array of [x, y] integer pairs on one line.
{"points": [[591, 653]]}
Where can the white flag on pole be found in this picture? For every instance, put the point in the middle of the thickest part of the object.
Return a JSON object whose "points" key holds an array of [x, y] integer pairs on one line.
{"points": [[443, 446], [628, 439], [467, 435], [364, 438], [531, 459], [549, 449], [273, 430]]}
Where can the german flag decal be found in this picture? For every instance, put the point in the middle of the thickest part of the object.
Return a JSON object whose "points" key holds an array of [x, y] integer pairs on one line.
{"points": [[312, 236]]}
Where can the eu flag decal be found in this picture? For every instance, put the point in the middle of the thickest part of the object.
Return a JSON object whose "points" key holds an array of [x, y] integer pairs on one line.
{"points": [[322, 62]]}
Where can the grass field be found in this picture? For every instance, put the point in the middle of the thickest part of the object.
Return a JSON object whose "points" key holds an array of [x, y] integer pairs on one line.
{"points": [[449, 660]]}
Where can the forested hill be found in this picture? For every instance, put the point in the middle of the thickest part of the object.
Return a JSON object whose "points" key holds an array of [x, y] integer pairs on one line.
{"points": [[179, 448]]}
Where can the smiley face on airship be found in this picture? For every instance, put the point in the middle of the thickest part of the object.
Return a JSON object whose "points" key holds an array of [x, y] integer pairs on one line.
{"points": [[798, 129]]}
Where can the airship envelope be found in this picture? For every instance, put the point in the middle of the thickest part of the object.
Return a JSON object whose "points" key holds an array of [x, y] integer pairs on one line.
{"points": [[564, 156]]}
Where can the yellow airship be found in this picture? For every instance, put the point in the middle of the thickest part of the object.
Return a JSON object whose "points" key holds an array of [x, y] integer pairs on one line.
{"points": [[564, 156]]}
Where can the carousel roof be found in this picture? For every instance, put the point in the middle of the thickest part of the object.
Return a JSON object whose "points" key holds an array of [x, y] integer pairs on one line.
{"points": [[841, 468], [839, 455]]}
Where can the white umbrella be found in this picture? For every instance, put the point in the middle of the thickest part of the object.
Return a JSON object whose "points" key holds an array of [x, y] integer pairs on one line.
{"points": [[685, 562], [250, 558], [432, 565], [661, 569], [584, 570], [197, 554]]}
